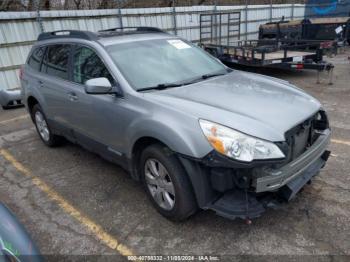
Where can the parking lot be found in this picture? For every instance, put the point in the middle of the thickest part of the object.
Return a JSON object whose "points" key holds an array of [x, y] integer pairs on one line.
{"points": [[73, 202]]}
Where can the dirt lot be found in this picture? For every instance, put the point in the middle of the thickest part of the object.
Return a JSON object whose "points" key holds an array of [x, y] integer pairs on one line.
{"points": [[73, 202]]}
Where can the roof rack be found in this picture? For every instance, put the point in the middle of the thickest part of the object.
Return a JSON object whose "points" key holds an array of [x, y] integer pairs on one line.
{"points": [[142, 29], [87, 35], [68, 33]]}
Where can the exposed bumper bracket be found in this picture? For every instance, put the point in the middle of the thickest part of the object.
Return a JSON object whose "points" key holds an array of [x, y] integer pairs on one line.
{"points": [[289, 191], [237, 203], [273, 180]]}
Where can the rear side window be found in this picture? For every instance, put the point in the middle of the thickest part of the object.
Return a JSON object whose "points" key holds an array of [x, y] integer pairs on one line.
{"points": [[56, 61], [88, 65], [34, 60]]}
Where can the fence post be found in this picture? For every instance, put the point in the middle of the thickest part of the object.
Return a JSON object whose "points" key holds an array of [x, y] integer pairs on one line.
{"points": [[120, 14], [292, 11], [215, 24], [174, 16], [38, 17], [246, 20]]}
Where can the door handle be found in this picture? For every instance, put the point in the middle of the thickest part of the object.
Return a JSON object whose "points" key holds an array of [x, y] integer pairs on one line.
{"points": [[72, 97]]}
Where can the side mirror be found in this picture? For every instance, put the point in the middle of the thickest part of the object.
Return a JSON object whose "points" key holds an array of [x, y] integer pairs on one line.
{"points": [[99, 86]]}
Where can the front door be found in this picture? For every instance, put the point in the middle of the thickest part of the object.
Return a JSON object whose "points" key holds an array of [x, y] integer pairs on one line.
{"points": [[94, 117]]}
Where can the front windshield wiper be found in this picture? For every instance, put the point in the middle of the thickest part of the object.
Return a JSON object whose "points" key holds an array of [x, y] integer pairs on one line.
{"points": [[206, 76], [192, 81], [159, 87]]}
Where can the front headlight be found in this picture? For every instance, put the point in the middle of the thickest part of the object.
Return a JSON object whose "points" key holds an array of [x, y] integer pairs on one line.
{"points": [[237, 145]]}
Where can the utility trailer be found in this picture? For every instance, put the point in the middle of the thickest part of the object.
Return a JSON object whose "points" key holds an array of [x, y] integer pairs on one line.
{"points": [[220, 36], [320, 29]]}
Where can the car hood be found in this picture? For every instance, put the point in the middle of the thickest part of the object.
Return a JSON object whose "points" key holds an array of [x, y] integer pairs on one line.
{"points": [[258, 105]]}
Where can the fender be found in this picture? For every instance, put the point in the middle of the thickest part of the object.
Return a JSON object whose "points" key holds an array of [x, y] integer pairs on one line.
{"points": [[186, 139]]}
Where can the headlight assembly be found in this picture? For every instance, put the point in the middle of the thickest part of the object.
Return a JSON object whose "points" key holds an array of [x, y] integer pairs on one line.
{"points": [[237, 145]]}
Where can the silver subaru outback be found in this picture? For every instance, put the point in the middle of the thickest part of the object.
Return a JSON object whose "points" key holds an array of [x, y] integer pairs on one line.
{"points": [[195, 133]]}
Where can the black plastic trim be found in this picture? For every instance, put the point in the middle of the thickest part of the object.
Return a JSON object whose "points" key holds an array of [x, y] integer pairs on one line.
{"points": [[90, 144], [87, 35], [200, 180], [143, 29], [215, 159]]}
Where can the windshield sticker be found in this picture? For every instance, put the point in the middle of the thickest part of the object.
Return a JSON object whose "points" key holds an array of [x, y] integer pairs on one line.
{"points": [[179, 44]]}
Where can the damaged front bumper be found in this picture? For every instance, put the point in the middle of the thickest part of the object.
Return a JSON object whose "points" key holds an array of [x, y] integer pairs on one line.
{"points": [[237, 191], [273, 186], [272, 179], [239, 203]]}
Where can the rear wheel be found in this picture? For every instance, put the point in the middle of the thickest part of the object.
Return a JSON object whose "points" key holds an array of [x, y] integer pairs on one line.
{"points": [[43, 128], [166, 183]]}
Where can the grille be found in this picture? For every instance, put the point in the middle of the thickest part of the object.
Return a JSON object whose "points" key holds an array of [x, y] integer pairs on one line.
{"points": [[301, 137], [300, 141]]}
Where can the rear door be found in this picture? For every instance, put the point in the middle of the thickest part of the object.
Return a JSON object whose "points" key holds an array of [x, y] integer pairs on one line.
{"points": [[31, 77], [54, 82]]}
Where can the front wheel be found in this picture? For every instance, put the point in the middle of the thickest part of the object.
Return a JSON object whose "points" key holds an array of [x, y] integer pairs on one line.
{"points": [[166, 183], [43, 128]]}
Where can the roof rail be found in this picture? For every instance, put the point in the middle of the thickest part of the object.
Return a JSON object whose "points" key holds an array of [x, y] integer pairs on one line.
{"points": [[136, 28], [68, 33]]}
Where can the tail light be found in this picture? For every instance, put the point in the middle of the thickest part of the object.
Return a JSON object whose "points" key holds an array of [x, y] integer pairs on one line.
{"points": [[21, 73], [300, 66], [326, 45]]}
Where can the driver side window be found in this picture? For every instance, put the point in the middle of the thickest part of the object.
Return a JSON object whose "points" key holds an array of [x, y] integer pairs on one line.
{"points": [[88, 65]]}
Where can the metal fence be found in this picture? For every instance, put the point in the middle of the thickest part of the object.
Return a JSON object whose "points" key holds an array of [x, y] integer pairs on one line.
{"points": [[19, 30]]}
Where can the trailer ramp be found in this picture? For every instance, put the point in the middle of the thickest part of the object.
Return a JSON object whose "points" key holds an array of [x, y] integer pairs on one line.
{"points": [[220, 28]]}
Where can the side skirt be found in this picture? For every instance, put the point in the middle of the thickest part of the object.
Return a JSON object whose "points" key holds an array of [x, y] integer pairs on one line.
{"points": [[91, 145]]}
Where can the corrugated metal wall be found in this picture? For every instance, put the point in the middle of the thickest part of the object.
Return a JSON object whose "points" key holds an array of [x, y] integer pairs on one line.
{"points": [[18, 30]]}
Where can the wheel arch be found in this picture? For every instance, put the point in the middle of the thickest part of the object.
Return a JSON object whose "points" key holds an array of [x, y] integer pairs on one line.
{"points": [[195, 174], [31, 102], [138, 146]]}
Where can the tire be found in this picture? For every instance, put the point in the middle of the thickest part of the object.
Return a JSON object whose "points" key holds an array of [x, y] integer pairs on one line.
{"points": [[42, 127], [184, 204]]}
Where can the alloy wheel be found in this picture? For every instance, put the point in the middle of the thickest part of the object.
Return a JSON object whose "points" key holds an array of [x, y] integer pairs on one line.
{"points": [[42, 126], [159, 184]]}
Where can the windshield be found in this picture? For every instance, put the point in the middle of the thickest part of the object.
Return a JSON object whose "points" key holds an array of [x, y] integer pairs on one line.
{"points": [[162, 61]]}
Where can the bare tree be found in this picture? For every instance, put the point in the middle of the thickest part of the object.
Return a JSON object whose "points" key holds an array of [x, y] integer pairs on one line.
{"points": [[77, 3], [103, 4], [28, 5], [66, 4], [46, 4], [4, 4]]}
